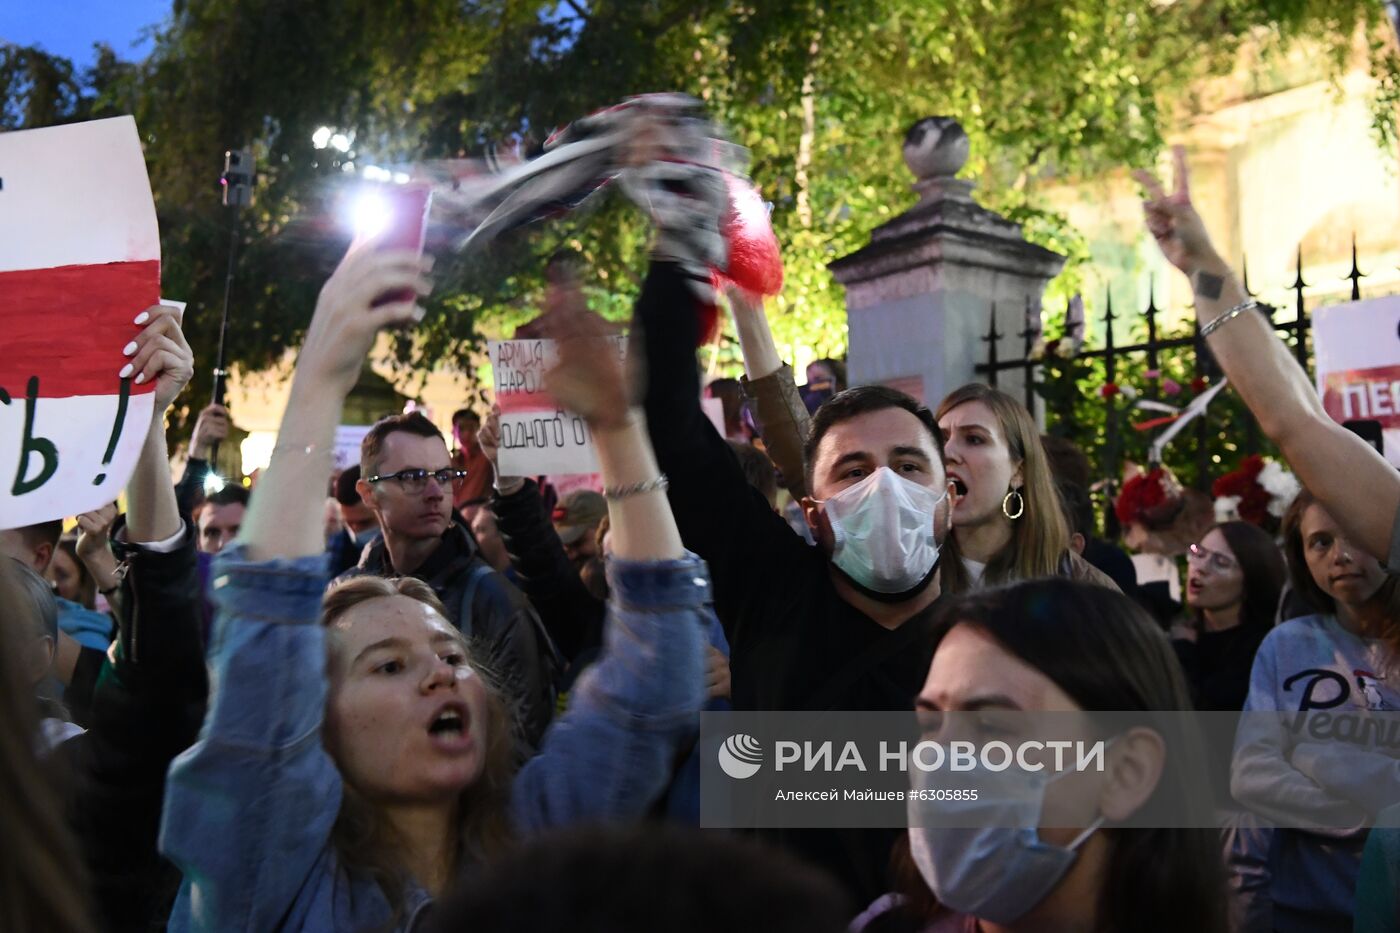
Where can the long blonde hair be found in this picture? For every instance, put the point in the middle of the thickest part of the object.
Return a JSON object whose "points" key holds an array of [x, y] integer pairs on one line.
{"points": [[1040, 537], [363, 838]]}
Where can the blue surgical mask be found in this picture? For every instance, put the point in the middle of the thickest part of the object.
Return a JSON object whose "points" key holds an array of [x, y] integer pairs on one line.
{"points": [[883, 531], [983, 856]]}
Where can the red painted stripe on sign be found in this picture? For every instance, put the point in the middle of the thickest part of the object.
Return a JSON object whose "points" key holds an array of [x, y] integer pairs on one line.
{"points": [[68, 325], [516, 402]]}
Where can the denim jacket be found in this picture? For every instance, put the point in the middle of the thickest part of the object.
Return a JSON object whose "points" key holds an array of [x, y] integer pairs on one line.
{"points": [[250, 807]]}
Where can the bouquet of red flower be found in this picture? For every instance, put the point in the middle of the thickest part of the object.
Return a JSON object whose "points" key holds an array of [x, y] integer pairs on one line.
{"points": [[1258, 492], [1152, 499]]}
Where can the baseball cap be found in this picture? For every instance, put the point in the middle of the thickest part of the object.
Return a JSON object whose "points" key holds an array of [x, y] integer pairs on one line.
{"points": [[579, 511]]}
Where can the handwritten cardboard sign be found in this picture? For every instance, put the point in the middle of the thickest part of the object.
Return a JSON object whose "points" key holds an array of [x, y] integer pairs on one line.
{"points": [[348, 438], [537, 436], [79, 260], [1357, 351]]}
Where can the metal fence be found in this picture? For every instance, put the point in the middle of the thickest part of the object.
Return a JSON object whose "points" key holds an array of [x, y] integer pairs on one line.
{"points": [[1151, 352]]}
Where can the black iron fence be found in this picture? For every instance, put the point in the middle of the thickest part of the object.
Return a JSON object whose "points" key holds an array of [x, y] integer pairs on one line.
{"points": [[1072, 386]]}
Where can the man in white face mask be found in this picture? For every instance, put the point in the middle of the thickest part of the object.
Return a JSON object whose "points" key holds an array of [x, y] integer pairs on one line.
{"points": [[840, 626], [881, 505]]}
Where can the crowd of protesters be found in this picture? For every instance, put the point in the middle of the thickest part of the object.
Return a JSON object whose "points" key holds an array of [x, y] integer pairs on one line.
{"points": [[421, 694]]}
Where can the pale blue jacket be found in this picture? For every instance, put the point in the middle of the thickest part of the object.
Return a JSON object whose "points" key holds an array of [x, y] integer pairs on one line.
{"points": [[249, 807]]}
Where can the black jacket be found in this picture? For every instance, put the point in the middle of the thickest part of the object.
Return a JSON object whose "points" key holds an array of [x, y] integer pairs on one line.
{"points": [[147, 707], [795, 644], [344, 552], [510, 642], [572, 615]]}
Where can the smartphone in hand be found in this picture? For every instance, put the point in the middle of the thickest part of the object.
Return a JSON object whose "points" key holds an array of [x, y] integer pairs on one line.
{"points": [[393, 217]]}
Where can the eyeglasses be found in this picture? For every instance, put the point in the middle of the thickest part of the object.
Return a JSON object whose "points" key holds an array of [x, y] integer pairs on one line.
{"points": [[1221, 563], [417, 480]]}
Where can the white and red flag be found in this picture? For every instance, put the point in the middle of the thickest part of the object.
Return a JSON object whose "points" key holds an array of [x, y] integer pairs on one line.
{"points": [[79, 260]]}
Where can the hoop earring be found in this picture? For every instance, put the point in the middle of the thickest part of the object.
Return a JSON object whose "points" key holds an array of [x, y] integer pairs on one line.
{"points": [[1020, 504]]}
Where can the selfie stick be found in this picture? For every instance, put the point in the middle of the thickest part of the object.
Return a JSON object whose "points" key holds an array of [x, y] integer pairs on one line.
{"points": [[237, 184]]}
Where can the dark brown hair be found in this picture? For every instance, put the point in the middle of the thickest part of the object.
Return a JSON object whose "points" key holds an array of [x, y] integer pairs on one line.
{"points": [[1263, 570], [415, 422], [862, 400], [1108, 655], [1388, 595], [363, 838], [645, 878]]}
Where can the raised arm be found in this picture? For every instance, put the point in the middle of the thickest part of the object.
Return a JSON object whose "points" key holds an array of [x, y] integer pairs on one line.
{"points": [[570, 613], [611, 755], [1354, 482], [720, 516], [147, 706], [210, 429], [782, 416], [250, 807]]}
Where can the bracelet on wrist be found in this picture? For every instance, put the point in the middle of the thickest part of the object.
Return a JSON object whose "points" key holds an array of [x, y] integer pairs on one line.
{"points": [[658, 484], [1227, 317], [304, 450]]}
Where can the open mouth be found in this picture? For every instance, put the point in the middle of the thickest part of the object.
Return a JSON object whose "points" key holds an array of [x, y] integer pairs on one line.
{"points": [[450, 722], [958, 484]]}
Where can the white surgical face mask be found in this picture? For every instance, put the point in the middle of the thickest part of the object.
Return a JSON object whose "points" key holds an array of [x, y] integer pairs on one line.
{"points": [[883, 531], [984, 857]]}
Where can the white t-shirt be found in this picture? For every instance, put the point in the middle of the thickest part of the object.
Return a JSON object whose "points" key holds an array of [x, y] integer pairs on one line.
{"points": [[975, 571]]}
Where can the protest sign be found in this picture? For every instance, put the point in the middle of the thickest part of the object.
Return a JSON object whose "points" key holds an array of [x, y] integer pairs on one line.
{"points": [[1357, 352], [537, 436], [79, 260], [714, 410], [348, 438]]}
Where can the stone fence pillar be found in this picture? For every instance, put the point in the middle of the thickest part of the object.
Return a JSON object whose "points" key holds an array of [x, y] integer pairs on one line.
{"points": [[919, 297]]}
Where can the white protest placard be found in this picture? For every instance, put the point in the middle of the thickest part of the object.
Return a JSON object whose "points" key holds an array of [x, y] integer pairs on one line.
{"points": [[347, 444], [1356, 347], [714, 410], [537, 436], [79, 260]]}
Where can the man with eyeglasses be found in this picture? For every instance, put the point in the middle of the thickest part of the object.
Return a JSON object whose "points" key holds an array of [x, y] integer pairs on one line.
{"points": [[407, 480]]}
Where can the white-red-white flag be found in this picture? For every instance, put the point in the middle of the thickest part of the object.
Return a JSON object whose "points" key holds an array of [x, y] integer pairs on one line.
{"points": [[79, 260]]}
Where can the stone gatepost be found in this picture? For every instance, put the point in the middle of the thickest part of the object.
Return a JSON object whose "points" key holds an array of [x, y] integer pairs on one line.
{"points": [[919, 298]]}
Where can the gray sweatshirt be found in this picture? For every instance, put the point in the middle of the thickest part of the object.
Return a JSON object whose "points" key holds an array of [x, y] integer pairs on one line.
{"points": [[1310, 664]]}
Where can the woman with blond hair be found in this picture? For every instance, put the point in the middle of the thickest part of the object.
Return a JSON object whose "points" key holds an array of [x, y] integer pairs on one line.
{"points": [[1009, 523]]}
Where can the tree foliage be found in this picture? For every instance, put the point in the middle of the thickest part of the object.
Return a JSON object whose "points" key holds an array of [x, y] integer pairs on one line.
{"points": [[820, 91]]}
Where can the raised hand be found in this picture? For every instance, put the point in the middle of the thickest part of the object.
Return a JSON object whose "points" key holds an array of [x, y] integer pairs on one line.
{"points": [[346, 321], [1172, 218], [210, 429], [160, 353], [94, 527], [588, 378], [489, 437], [716, 673]]}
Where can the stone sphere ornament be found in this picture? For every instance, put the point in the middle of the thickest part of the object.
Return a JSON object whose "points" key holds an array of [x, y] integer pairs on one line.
{"points": [[936, 147]]}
